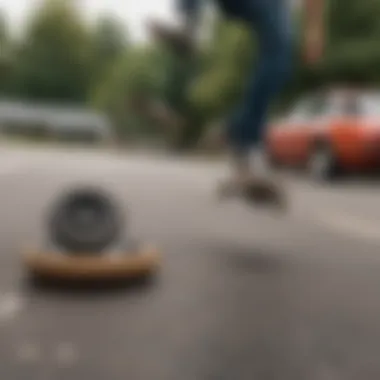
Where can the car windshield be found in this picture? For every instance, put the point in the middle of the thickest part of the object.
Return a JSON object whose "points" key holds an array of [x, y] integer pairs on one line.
{"points": [[371, 105], [353, 104], [308, 107]]}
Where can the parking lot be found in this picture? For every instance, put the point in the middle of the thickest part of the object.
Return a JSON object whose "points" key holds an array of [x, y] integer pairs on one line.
{"points": [[242, 294]]}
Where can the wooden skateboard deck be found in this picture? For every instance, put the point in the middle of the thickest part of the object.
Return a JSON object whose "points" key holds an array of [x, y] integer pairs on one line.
{"points": [[261, 193]]}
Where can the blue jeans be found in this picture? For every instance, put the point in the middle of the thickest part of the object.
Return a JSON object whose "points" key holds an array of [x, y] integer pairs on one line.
{"points": [[271, 21]]}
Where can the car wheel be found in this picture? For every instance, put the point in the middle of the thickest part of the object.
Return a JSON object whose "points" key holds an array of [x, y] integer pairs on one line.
{"points": [[323, 164]]}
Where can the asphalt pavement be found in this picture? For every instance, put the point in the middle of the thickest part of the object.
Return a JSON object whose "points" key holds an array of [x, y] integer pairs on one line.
{"points": [[242, 294]]}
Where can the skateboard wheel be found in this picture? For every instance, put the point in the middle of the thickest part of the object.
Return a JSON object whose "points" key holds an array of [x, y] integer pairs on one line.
{"points": [[85, 220]]}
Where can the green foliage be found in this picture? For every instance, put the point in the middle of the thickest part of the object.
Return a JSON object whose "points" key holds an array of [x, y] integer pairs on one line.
{"points": [[228, 60], [3, 52], [203, 89], [53, 59], [4, 32], [352, 19], [352, 49], [61, 59], [354, 61], [108, 44], [140, 70]]}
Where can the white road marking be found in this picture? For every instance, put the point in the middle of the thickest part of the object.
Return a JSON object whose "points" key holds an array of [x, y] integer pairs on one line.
{"points": [[10, 305]]}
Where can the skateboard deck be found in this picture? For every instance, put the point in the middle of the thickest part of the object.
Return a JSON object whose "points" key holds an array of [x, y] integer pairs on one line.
{"points": [[258, 193]]}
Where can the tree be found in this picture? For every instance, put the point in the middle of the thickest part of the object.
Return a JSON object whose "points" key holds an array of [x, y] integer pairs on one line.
{"points": [[218, 79], [6, 57], [350, 19], [4, 32], [352, 51], [139, 70], [109, 42], [208, 87], [226, 65], [54, 57]]}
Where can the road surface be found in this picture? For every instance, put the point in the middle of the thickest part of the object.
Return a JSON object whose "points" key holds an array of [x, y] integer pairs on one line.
{"points": [[242, 294]]}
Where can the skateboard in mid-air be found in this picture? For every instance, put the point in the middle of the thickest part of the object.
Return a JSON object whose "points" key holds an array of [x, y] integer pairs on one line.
{"points": [[260, 193]]}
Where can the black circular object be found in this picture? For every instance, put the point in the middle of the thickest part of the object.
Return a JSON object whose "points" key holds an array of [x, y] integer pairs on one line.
{"points": [[85, 221]]}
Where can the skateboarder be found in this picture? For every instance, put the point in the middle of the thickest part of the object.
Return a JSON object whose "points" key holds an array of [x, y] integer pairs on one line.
{"points": [[271, 21]]}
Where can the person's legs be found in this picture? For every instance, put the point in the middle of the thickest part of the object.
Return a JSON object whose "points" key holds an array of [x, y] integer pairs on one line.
{"points": [[270, 19]]}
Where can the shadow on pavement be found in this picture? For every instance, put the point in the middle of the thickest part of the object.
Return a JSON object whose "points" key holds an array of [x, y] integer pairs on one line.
{"points": [[77, 288], [244, 259], [254, 263]]}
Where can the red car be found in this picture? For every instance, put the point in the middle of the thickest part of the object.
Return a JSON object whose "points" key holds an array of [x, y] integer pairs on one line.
{"points": [[329, 133]]}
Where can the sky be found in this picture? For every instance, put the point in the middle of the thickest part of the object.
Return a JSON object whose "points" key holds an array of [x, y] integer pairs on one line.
{"points": [[132, 12]]}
